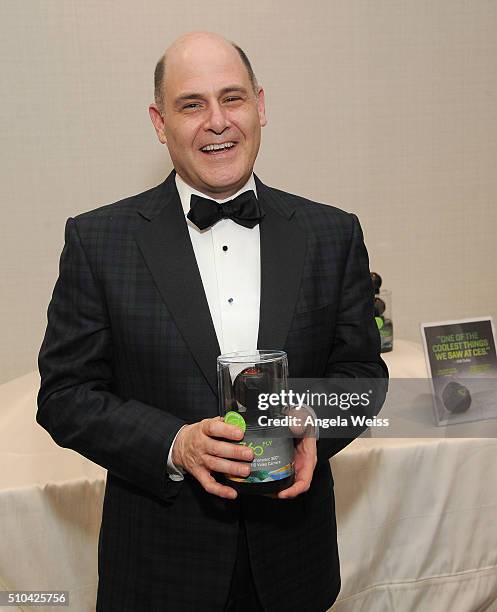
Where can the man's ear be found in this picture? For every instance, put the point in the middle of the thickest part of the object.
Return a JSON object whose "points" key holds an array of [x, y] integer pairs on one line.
{"points": [[261, 107], [158, 121]]}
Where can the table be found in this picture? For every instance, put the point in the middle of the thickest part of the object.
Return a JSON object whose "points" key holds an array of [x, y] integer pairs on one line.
{"points": [[50, 505], [417, 519]]}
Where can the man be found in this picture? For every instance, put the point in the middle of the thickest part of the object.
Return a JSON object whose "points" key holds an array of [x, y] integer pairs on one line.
{"points": [[149, 294]]}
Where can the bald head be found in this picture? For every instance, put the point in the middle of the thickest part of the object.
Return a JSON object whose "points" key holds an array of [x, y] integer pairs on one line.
{"points": [[208, 113], [186, 47]]}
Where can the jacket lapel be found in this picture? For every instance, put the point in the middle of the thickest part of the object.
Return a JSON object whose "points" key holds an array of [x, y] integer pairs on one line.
{"points": [[283, 248], [167, 249]]}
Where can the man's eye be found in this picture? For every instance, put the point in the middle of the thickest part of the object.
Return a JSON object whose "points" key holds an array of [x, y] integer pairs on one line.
{"points": [[191, 106], [232, 99]]}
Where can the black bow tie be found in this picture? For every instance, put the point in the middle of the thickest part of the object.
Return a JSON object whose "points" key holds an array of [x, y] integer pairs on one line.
{"points": [[244, 210]]}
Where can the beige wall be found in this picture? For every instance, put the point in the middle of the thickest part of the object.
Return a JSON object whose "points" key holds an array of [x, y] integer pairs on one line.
{"points": [[385, 108]]}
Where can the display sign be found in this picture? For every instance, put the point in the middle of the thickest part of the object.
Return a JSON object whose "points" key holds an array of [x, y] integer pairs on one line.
{"points": [[462, 362]]}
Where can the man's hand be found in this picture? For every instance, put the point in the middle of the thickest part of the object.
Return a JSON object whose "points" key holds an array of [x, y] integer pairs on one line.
{"points": [[197, 450], [305, 462], [305, 451]]}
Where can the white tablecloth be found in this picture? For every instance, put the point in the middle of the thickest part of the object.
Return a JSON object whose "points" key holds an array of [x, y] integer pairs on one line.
{"points": [[417, 519], [417, 525], [50, 505]]}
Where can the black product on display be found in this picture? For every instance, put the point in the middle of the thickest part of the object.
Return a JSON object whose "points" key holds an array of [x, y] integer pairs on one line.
{"points": [[456, 397], [383, 313]]}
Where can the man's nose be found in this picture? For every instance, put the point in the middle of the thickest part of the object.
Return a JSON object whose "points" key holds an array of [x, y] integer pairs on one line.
{"points": [[216, 120]]}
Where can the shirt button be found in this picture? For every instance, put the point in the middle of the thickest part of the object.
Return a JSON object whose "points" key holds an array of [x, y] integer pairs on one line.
{"points": [[225, 248], [230, 300]]}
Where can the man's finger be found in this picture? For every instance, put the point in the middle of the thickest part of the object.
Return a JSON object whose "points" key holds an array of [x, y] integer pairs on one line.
{"points": [[229, 450], [306, 469], [225, 466], [211, 485], [303, 478], [298, 487], [217, 428], [298, 425]]}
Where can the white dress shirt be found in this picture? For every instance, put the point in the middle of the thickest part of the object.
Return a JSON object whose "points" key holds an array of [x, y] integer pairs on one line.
{"points": [[228, 258]]}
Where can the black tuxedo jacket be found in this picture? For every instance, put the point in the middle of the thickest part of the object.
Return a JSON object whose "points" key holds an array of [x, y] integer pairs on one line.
{"points": [[129, 356]]}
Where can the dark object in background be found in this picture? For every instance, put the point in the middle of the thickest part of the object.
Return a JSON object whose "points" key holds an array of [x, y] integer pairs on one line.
{"points": [[456, 397], [379, 307], [377, 280], [382, 313]]}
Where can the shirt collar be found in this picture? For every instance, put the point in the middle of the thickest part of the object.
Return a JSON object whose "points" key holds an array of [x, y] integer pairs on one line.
{"points": [[185, 192]]}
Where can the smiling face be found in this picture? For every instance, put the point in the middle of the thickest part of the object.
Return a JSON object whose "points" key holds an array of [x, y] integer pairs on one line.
{"points": [[212, 118]]}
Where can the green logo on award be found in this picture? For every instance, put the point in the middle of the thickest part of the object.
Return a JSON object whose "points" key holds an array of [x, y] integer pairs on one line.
{"points": [[235, 418]]}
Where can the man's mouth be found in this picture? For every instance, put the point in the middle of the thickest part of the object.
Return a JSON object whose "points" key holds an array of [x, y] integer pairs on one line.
{"points": [[216, 149]]}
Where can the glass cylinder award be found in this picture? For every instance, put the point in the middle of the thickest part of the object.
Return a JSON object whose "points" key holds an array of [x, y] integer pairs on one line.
{"points": [[251, 385], [383, 313], [383, 317]]}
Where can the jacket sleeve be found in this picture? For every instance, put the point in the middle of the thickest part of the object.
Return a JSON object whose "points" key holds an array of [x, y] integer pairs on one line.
{"points": [[76, 404], [355, 352]]}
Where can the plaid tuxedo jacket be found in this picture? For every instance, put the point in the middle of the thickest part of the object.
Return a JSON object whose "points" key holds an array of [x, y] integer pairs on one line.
{"points": [[129, 356]]}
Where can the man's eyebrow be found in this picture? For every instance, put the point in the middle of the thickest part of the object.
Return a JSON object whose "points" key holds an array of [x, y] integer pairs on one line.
{"points": [[198, 96], [233, 88]]}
